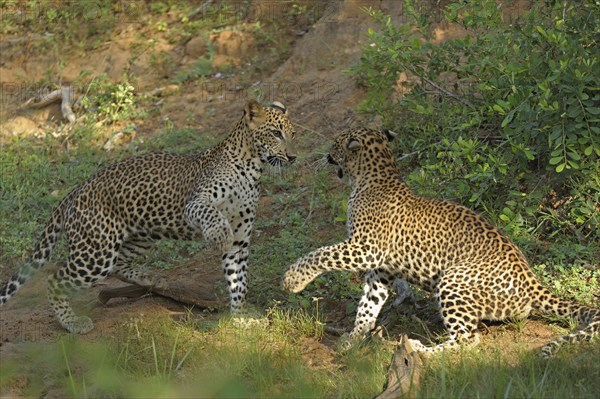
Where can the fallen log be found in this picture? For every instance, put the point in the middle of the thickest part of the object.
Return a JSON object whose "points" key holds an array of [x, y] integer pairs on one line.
{"points": [[404, 373], [199, 294], [64, 95]]}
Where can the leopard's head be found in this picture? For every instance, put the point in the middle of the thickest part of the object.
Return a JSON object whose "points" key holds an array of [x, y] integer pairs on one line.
{"points": [[272, 132], [361, 151]]}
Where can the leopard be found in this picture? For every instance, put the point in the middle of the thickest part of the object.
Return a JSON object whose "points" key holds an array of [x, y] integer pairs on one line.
{"points": [[474, 271], [118, 214]]}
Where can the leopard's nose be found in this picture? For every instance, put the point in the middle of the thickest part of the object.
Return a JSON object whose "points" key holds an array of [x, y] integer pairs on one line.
{"points": [[291, 158]]}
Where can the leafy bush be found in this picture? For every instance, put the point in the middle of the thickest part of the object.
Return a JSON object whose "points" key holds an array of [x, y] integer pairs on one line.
{"points": [[110, 101], [505, 118]]}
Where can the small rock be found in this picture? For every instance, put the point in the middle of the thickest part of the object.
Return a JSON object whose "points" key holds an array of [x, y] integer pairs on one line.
{"points": [[196, 47], [113, 141]]}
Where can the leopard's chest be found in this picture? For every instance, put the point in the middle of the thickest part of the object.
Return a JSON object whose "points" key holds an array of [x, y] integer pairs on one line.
{"points": [[241, 196], [242, 191]]}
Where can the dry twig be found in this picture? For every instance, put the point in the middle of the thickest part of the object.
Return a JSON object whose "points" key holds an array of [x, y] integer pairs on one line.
{"points": [[404, 373]]}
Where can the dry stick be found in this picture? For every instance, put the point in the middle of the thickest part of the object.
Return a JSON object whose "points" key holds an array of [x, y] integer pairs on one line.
{"points": [[37, 102], [335, 330], [404, 373], [311, 130], [438, 87], [200, 11], [410, 154]]}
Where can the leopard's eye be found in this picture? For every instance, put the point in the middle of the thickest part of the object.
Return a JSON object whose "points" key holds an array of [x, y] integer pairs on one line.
{"points": [[278, 134]]}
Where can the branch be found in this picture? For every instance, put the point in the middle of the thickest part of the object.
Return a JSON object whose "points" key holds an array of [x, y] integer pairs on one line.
{"points": [[65, 105], [450, 94], [64, 94], [196, 293]]}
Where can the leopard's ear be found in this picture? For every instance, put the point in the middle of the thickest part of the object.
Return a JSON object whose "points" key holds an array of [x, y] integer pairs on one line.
{"points": [[389, 134], [353, 144], [279, 106], [254, 114]]}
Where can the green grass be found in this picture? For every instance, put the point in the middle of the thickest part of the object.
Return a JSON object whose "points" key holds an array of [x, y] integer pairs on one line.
{"points": [[163, 358], [201, 357], [490, 375]]}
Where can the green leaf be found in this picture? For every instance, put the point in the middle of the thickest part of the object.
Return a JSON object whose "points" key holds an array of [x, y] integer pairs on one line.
{"points": [[574, 112], [556, 133], [474, 197], [593, 110], [588, 151], [542, 31], [529, 154], [554, 161], [560, 167], [507, 119], [557, 153], [585, 210], [572, 164]]}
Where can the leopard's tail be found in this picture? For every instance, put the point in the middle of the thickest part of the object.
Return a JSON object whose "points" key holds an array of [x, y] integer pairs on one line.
{"points": [[588, 318], [40, 256]]}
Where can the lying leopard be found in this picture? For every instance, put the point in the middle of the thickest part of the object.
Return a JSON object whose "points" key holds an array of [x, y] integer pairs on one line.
{"points": [[474, 271], [120, 212]]}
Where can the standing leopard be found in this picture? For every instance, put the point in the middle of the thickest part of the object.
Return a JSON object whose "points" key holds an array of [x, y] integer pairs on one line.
{"points": [[474, 271], [117, 214]]}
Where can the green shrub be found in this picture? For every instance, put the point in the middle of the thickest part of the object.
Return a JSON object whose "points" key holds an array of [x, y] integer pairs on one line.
{"points": [[110, 101], [504, 119]]}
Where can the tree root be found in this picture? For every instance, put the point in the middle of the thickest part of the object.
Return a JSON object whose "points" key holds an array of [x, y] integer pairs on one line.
{"points": [[200, 294], [64, 94]]}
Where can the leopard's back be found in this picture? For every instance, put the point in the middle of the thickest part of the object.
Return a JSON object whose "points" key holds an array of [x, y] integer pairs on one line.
{"points": [[140, 195]]}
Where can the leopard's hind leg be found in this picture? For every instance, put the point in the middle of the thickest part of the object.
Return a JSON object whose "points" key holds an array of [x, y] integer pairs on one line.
{"points": [[375, 292], [464, 305], [125, 271], [89, 262], [460, 314]]}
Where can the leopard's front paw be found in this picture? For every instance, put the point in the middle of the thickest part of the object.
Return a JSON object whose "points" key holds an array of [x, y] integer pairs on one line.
{"points": [[245, 322], [292, 282], [345, 342], [79, 325]]}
